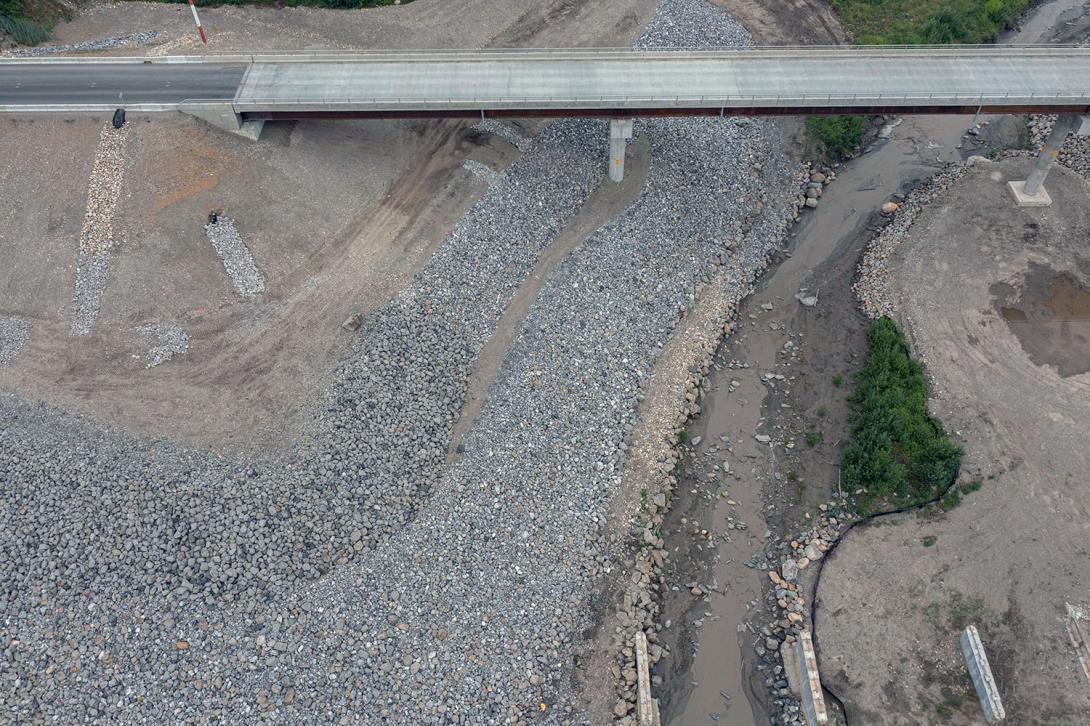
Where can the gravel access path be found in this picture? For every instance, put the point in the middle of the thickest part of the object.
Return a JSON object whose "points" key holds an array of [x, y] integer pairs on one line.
{"points": [[96, 239], [361, 577]]}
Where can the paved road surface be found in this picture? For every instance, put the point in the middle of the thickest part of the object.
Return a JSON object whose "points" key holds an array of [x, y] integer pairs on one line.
{"points": [[76, 84]]}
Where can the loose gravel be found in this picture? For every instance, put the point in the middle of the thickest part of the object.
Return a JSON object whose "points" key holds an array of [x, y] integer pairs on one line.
{"points": [[1075, 152], [482, 171], [14, 333], [237, 260], [167, 340], [146, 583], [504, 131], [92, 271], [96, 239]]}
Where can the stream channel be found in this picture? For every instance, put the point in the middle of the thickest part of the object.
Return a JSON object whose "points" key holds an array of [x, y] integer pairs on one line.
{"points": [[734, 488]]}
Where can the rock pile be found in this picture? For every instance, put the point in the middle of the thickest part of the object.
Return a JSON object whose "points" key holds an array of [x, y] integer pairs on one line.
{"points": [[14, 333], [789, 606], [1074, 154], [132, 40], [237, 260], [151, 544], [167, 340]]}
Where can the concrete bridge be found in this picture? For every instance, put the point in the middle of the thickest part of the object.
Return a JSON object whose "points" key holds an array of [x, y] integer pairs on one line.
{"points": [[241, 92]]}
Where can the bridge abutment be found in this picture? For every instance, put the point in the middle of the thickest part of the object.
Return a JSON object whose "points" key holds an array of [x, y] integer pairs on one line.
{"points": [[223, 116]]}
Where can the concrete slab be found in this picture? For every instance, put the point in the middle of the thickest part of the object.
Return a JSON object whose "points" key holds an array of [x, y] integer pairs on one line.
{"points": [[1018, 191], [980, 671]]}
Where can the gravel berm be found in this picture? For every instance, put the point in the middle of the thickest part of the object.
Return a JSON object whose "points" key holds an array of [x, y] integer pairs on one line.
{"points": [[361, 578]]}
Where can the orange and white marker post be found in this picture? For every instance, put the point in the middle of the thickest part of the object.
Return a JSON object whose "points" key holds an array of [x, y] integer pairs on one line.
{"points": [[197, 20]]}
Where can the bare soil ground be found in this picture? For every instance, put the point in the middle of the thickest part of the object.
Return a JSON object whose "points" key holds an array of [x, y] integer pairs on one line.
{"points": [[337, 215], [895, 594], [787, 22]]}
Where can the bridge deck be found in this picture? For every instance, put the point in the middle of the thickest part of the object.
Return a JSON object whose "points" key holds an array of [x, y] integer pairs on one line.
{"points": [[582, 82], [799, 80]]}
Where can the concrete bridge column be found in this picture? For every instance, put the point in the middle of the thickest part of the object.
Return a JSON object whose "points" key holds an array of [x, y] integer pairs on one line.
{"points": [[1031, 192], [620, 131]]}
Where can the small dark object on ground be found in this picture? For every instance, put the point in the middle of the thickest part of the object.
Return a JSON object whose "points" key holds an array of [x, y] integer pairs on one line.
{"points": [[353, 323], [119, 118], [213, 217]]}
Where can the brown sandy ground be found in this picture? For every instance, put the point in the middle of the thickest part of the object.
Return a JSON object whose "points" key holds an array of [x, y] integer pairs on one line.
{"points": [[895, 593], [337, 215]]}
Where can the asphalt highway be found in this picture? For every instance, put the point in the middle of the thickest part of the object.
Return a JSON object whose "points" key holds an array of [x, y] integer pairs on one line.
{"points": [[33, 84]]}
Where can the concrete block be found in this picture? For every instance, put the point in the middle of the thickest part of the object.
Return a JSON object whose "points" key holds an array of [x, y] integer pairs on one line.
{"points": [[1083, 126], [791, 670], [1018, 191], [812, 698], [976, 661], [647, 708], [1079, 641]]}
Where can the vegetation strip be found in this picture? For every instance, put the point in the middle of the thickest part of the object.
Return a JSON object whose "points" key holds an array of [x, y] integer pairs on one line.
{"points": [[898, 456]]}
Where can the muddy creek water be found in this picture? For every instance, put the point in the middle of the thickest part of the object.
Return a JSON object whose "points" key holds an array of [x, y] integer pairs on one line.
{"points": [[714, 689]]}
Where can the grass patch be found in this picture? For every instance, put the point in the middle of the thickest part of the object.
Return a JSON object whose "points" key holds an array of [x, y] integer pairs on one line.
{"points": [[898, 455], [24, 31], [836, 136], [935, 22], [953, 497]]}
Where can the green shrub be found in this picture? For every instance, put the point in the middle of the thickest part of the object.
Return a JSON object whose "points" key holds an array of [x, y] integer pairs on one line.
{"points": [[24, 31], [898, 455], [908, 22], [836, 135]]}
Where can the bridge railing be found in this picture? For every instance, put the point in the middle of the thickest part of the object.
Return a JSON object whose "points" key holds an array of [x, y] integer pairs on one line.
{"points": [[626, 101], [493, 54]]}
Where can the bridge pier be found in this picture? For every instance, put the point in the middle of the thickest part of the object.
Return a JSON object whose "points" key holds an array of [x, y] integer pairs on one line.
{"points": [[1031, 192], [620, 131]]}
